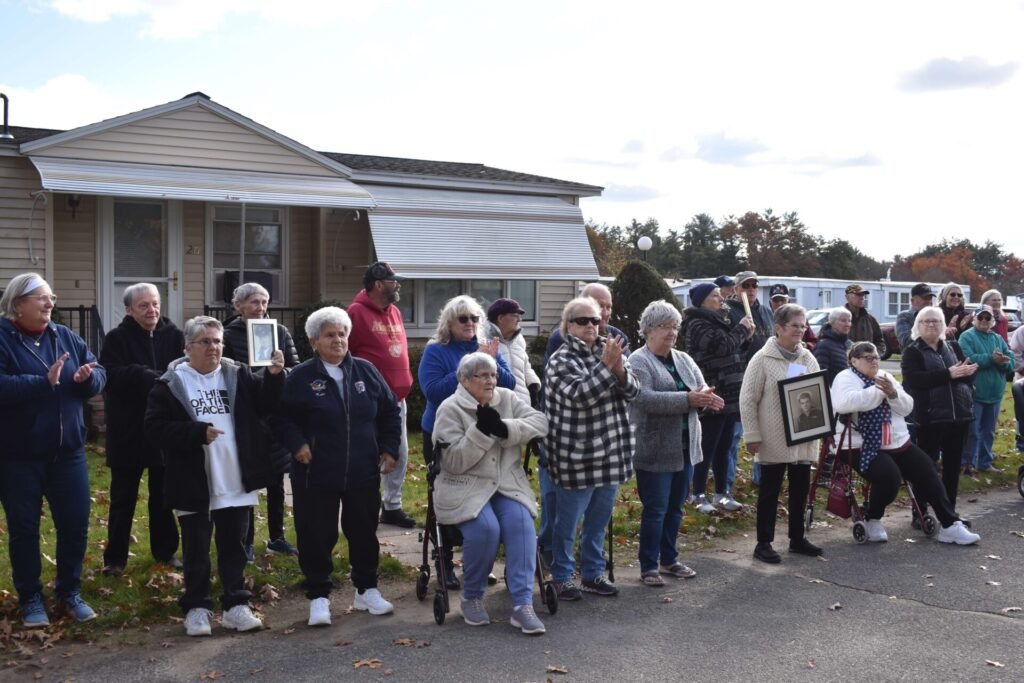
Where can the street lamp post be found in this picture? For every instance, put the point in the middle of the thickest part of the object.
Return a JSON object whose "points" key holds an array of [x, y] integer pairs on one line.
{"points": [[644, 244]]}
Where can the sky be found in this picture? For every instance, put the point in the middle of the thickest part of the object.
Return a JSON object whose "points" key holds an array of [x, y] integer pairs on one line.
{"points": [[889, 124]]}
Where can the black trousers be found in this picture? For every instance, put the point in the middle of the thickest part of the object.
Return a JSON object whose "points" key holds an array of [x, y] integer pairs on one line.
{"points": [[275, 512], [768, 499], [945, 440], [716, 439], [124, 493], [316, 526], [887, 472], [230, 525]]}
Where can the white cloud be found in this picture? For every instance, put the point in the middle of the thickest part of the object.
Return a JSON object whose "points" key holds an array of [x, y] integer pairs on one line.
{"points": [[62, 102]]}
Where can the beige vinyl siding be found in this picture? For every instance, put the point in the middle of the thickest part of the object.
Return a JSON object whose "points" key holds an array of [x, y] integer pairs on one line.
{"points": [[18, 178], [554, 294], [193, 296], [74, 251], [190, 137], [303, 274], [347, 248]]}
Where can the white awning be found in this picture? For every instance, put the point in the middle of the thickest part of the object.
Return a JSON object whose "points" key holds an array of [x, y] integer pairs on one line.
{"points": [[448, 234], [79, 176]]}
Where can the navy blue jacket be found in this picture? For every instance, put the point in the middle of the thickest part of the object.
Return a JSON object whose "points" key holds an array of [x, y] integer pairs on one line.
{"points": [[831, 352], [38, 421], [346, 433]]}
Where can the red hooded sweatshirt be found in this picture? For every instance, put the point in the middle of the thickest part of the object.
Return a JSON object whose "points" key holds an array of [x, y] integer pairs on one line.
{"points": [[378, 336]]}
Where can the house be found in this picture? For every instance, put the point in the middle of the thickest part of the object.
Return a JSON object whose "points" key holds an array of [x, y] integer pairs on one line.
{"points": [[162, 195], [885, 300]]}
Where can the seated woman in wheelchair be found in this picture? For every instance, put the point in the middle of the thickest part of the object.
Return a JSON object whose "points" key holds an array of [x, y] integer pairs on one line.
{"points": [[881, 449], [482, 487]]}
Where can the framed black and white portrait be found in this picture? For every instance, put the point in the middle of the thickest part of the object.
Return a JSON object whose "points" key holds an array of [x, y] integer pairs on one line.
{"points": [[806, 408], [262, 338]]}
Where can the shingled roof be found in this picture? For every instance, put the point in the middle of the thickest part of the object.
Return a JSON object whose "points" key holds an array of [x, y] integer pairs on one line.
{"points": [[376, 164]]}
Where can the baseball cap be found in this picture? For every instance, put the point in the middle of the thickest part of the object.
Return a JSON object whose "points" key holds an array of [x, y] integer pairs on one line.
{"points": [[984, 308], [724, 281], [778, 290], [745, 275], [856, 289], [921, 289], [503, 306], [379, 271]]}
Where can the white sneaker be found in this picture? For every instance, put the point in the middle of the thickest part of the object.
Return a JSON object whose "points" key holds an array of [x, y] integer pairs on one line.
{"points": [[373, 602], [703, 505], [319, 612], [958, 533], [876, 532], [197, 622], [240, 618], [726, 502]]}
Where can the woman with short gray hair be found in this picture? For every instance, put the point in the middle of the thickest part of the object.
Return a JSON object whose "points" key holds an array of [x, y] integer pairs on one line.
{"points": [[668, 438], [47, 373], [482, 487], [833, 343]]}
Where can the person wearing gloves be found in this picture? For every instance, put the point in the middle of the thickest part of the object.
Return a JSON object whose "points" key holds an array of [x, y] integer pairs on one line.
{"points": [[206, 415], [880, 448], [981, 345], [482, 487]]}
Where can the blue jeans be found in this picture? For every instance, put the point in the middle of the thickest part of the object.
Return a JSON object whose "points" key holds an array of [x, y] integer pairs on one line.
{"points": [[64, 482], [509, 522], [662, 495], [734, 454], [983, 433], [548, 503], [594, 504]]}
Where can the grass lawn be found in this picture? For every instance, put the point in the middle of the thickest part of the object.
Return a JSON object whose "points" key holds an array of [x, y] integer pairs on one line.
{"points": [[147, 592]]}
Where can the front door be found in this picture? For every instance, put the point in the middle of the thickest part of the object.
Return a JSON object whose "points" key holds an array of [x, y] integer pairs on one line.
{"points": [[141, 242]]}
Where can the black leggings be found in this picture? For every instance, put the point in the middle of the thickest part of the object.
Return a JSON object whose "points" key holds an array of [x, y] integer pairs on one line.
{"points": [[768, 499], [945, 439], [889, 469]]}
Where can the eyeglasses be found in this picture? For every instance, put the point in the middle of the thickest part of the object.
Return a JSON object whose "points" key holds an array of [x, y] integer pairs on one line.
{"points": [[870, 359], [463, 319], [669, 326], [795, 326], [749, 285], [930, 322], [582, 322], [43, 298], [486, 376], [955, 295], [208, 342]]}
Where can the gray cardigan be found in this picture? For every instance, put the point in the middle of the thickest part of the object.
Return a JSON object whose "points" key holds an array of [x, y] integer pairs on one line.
{"points": [[658, 411]]}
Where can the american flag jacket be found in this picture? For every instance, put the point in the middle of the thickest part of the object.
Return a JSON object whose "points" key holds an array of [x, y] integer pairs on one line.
{"points": [[590, 439]]}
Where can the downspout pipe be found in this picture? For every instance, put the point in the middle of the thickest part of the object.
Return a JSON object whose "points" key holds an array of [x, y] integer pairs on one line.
{"points": [[6, 133]]}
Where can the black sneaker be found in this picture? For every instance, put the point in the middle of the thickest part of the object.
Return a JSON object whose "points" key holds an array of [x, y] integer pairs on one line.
{"points": [[802, 546], [397, 518], [599, 586], [568, 592], [765, 553]]}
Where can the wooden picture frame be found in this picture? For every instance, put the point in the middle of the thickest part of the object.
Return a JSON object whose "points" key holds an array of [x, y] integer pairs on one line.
{"points": [[806, 408], [261, 336]]}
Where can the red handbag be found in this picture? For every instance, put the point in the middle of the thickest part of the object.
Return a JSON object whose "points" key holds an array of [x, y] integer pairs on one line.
{"points": [[839, 489]]}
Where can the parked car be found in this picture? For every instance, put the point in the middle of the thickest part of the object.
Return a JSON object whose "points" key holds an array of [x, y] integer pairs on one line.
{"points": [[816, 319]]}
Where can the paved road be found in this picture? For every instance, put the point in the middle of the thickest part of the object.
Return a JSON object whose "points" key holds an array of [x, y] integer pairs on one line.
{"points": [[911, 609]]}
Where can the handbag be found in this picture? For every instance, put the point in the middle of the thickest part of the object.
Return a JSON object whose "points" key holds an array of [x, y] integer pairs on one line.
{"points": [[839, 488]]}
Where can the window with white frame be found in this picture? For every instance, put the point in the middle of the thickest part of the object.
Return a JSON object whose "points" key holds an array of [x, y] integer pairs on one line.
{"points": [[898, 301], [435, 293], [257, 252], [826, 298]]}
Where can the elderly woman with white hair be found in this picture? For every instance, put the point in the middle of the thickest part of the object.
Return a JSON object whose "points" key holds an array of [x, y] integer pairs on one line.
{"points": [[1000, 323], [250, 300], [460, 331], [668, 438], [46, 375], [834, 343], [589, 443], [483, 488], [206, 412], [341, 422]]}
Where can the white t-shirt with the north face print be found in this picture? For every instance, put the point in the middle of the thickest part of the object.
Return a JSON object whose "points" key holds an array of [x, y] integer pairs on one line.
{"points": [[208, 402]]}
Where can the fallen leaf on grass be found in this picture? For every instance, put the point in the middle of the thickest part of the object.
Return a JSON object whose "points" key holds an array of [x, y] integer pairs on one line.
{"points": [[1009, 610], [994, 663], [368, 663], [50, 559], [552, 669], [269, 593], [105, 591], [835, 606]]}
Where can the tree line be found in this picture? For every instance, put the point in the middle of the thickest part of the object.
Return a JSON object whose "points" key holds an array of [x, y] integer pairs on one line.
{"points": [[782, 245]]}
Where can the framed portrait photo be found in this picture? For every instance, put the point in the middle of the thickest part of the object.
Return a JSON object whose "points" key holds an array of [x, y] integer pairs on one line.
{"points": [[262, 338], [806, 408]]}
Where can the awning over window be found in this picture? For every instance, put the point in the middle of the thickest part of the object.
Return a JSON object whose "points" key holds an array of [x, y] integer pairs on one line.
{"points": [[448, 234], [116, 179]]}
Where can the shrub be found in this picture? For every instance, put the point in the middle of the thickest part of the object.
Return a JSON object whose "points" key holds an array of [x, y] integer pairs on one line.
{"points": [[637, 285], [415, 402], [299, 333]]}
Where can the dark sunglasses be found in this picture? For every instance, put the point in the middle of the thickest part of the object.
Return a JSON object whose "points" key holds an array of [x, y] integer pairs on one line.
{"points": [[749, 284], [466, 318], [958, 295], [583, 322]]}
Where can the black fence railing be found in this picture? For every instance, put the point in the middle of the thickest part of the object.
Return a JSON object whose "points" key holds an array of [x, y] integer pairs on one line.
{"points": [[86, 323], [289, 317]]}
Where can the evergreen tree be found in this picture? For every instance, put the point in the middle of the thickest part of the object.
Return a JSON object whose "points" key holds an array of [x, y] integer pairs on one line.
{"points": [[637, 285]]}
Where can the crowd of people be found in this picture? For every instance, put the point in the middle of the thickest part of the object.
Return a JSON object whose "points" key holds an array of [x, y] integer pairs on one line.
{"points": [[208, 425]]}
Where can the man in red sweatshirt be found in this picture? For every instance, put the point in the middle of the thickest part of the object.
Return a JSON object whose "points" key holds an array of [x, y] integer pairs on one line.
{"points": [[378, 336]]}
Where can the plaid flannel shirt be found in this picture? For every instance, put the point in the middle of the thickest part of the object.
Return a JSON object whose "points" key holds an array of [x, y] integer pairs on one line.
{"points": [[590, 439]]}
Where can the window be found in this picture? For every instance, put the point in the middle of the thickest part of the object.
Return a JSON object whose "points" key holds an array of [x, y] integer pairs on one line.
{"points": [[898, 301], [826, 298], [407, 301], [263, 257], [435, 293], [525, 292]]}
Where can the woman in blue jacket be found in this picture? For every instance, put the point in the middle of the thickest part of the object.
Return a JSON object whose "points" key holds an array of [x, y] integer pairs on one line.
{"points": [[342, 424], [46, 375], [460, 329]]}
